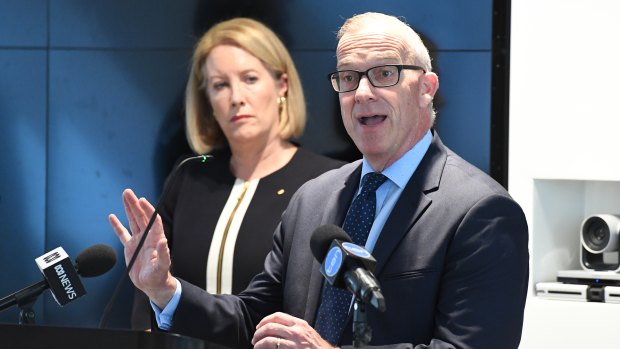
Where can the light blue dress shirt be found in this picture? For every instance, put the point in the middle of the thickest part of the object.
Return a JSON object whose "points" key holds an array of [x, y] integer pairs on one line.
{"points": [[388, 193]]}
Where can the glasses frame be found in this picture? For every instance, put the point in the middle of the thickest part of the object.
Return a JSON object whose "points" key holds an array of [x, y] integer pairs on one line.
{"points": [[399, 67]]}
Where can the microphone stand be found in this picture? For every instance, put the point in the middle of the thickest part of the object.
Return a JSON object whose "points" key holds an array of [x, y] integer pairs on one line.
{"points": [[362, 333], [25, 299]]}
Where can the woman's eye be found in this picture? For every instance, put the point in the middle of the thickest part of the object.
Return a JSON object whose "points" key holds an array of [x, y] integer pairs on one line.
{"points": [[251, 79], [219, 85]]}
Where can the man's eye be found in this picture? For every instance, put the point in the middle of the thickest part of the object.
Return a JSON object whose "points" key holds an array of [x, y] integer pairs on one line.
{"points": [[347, 77], [382, 72], [386, 73]]}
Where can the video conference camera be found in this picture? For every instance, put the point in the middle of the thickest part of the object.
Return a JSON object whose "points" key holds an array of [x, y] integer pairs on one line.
{"points": [[599, 243]]}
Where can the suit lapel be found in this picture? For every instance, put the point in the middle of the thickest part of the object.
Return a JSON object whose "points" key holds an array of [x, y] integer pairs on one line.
{"points": [[341, 199], [336, 208], [412, 203]]}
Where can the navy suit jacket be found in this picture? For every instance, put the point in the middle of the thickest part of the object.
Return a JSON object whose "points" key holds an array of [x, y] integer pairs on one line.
{"points": [[452, 262]]}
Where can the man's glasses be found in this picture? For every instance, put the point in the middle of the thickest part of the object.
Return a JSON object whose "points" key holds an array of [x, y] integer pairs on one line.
{"points": [[381, 76]]}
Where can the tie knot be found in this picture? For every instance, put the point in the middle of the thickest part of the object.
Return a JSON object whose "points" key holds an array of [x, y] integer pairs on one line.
{"points": [[371, 182]]}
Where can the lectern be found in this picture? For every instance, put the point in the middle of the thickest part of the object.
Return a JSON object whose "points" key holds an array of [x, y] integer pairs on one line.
{"points": [[48, 337]]}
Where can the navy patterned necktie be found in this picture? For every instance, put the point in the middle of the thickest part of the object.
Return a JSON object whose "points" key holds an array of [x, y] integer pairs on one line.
{"points": [[335, 302]]}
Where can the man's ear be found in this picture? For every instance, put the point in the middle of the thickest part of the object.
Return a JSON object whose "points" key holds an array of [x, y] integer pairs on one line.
{"points": [[429, 83]]}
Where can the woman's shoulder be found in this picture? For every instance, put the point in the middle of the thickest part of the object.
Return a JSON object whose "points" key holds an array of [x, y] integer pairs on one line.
{"points": [[310, 159], [306, 165]]}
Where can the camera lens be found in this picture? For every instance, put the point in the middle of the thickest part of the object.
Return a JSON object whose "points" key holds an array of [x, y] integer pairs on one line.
{"points": [[596, 234]]}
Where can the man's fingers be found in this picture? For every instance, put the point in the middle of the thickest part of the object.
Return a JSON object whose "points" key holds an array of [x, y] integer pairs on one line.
{"points": [[119, 229], [132, 210], [272, 343], [163, 253], [289, 329], [149, 210], [278, 317], [146, 207]]}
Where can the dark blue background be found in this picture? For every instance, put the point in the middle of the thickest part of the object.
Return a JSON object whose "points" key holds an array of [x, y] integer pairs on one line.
{"points": [[91, 103]]}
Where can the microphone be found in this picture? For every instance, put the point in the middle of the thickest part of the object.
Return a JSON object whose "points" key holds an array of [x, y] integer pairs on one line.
{"points": [[346, 265], [95, 260], [104, 317], [61, 277]]}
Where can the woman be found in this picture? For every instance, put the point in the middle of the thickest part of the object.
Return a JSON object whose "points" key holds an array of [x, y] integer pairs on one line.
{"points": [[244, 102]]}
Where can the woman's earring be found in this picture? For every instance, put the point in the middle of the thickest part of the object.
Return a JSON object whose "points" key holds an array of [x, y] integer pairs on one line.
{"points": [[281, 103]]}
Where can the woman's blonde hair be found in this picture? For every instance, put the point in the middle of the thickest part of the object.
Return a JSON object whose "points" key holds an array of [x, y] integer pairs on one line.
{"points": [[202, 130]]}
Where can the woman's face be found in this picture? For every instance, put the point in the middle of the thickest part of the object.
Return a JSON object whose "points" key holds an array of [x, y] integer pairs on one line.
{"points": [[244, 95]]}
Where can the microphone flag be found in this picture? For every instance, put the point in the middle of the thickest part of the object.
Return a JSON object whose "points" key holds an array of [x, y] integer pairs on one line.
{"points": [[63, 279]]}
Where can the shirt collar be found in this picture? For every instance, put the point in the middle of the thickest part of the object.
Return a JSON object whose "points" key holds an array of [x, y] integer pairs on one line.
{"points": [[401, 171]]}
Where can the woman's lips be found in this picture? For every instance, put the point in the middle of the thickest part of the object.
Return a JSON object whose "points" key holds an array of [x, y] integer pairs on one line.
{"points": [[239, 117]]}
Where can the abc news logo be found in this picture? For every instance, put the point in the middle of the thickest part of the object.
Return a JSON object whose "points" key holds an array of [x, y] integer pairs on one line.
{"points": [[51, 257]]}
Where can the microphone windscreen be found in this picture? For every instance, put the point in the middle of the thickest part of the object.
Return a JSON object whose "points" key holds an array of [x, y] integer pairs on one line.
{"points": [[322, 238], [95, 260]]}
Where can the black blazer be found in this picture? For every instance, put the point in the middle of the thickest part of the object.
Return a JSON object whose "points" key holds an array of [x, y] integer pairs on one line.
{"points": [[452, 262]]}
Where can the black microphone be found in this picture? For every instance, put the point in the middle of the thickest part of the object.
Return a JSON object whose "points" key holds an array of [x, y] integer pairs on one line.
{"points": [[61, 277], [108, 308], [346, 265], [95, 260]]}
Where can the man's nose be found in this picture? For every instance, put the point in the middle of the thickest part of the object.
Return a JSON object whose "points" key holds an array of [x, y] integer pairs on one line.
{"points": [[364, 91]]}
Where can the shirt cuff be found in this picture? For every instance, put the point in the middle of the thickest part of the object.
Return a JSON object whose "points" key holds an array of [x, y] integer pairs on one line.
{"points": [[164, 317]]}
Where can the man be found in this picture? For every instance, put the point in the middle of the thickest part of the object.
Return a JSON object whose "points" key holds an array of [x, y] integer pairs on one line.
{"points": [[450, 243]]}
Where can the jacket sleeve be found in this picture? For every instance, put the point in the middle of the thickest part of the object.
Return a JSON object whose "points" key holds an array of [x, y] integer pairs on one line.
{"points": [[484, 283]]}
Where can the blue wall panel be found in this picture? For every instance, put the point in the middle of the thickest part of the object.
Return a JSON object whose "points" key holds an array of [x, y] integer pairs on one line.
{"points": [[324, 130], [22, 170], [464, 105], [108, 110], [449, 24], [23, 23], [122, 23]]}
